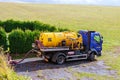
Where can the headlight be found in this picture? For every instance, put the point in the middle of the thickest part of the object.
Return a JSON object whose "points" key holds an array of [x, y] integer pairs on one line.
{"points": [[33, 45]]}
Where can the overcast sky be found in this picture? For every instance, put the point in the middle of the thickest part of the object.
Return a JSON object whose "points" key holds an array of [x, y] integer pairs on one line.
{"points": [[90, 2]]}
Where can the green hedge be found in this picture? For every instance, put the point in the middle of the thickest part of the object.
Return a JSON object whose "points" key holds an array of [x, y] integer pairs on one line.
{"points": [[9, 25], [17, 40], [20, 41], [62, 29], [28, 40], [3, 38]]}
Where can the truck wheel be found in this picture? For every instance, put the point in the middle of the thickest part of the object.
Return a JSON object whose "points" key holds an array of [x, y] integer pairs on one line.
{"points": [[60, 59], [91, 57]]}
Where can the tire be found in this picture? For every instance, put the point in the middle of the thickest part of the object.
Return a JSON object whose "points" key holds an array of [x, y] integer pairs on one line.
{"points": [[60, 59], [91, 57]]}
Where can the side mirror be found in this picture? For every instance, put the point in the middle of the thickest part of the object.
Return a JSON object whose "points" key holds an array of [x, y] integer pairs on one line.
{"points": [[102, 37]]}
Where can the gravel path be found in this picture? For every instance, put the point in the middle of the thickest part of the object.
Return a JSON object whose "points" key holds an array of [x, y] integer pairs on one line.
{"points": [[40, 70]]}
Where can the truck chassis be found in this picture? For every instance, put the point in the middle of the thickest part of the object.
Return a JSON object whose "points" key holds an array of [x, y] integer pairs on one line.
{"points": [[61, 54]]}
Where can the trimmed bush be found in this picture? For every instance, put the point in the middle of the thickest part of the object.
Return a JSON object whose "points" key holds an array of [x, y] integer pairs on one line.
{"points": [[62, 29], [38, 25], [10, 25], [17, 41], [29, 39], [20, 41], [3, 38], [36, 34]]}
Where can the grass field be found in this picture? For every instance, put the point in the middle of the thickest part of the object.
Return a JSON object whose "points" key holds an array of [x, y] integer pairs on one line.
{"points": [[103, 19]]}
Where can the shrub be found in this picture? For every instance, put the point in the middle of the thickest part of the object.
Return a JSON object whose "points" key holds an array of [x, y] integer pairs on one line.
{"points": [[10, 25], [17, 41], [63, 29], [29, 39], [38, 25], [3, 38], [20, 41], [36, 34]]}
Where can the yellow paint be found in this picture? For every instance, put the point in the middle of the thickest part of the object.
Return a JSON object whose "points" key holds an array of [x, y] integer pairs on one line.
{"points": [[54, 39]]}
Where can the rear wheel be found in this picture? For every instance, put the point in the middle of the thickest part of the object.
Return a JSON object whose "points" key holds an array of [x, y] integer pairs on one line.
{"points": [[91, 57], [59, 58]]}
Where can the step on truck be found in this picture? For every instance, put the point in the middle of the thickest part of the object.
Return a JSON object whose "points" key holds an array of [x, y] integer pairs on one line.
{"points": [[59, 47]]}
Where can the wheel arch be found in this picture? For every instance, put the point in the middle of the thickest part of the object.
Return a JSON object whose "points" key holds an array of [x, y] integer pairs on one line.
{"points": [[93, 51]]}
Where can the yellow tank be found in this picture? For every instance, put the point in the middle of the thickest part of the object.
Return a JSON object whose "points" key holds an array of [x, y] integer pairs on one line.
{"points": [[57, 39]]}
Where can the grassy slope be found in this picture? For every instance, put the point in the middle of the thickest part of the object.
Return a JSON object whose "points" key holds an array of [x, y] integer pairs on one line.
{"points": [[106, 20]]}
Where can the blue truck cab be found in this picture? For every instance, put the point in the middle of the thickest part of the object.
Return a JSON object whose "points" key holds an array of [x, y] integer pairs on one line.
{"points": [[92, 41]]}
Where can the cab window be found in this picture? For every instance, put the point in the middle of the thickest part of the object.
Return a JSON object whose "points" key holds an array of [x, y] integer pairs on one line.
{"points": [[97, 38]]}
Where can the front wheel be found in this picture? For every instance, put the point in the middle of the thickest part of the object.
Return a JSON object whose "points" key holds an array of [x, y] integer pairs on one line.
{"points": [[91, 57]]}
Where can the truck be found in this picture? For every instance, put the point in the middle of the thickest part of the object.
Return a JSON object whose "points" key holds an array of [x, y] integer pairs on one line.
{"points": [[60, 47]]}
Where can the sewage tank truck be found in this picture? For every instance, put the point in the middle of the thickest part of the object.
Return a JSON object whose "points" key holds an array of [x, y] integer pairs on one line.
{"points": [[59, 47]]}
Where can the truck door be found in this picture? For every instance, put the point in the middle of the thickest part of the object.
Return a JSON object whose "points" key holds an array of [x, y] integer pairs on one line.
{"points": [[96, 42]]}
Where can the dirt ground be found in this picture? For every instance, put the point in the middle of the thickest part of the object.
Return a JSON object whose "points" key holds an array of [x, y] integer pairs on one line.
{"points": [[37, 69]]}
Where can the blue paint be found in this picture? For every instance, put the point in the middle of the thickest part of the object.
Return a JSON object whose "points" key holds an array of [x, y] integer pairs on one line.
{"points": [[95, 42]]}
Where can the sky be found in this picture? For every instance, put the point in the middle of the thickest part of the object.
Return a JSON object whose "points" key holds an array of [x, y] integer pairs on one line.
{"points": [[86, 2]]}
